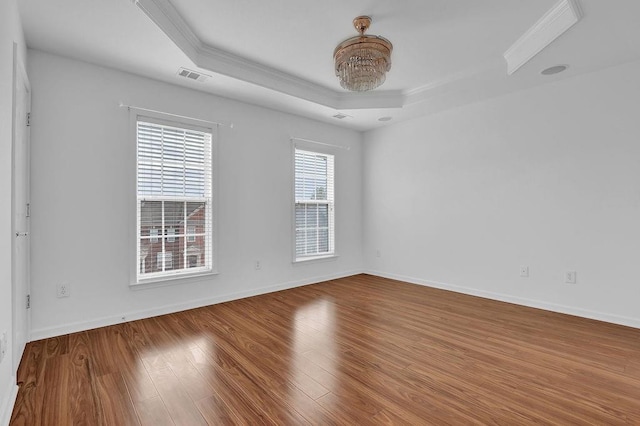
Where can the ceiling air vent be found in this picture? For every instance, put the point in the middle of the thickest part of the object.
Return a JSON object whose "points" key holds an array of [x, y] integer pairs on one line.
{"points": [[192, 75]]}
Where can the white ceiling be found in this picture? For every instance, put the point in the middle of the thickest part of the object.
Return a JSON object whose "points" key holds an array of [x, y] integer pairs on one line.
{"points": [[279, 53]]}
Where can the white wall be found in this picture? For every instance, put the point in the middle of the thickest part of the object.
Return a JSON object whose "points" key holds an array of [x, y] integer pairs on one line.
{"points": [[83, 168], [10, 33], [548, 178]]}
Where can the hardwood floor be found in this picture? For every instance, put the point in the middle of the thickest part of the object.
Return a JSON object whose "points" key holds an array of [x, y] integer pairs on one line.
{"points": [[359, 350]]}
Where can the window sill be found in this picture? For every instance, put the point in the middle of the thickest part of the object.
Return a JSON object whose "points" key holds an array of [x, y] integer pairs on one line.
{"points": [[171, 280], [314, 259]]}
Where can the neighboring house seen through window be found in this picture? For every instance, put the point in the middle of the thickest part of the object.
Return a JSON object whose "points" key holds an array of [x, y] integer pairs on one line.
{"points": [[174, 199], [314, 205]]}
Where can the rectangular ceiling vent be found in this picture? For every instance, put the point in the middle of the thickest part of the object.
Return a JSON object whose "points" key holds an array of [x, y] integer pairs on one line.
{"points": [[340, 116], [192, 75]]}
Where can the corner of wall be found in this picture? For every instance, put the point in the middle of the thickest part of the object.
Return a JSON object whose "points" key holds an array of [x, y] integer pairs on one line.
{"points": [[516, 300]]}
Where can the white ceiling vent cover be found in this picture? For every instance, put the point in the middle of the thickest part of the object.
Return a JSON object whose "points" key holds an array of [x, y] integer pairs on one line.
{"points": [[192, 75]]}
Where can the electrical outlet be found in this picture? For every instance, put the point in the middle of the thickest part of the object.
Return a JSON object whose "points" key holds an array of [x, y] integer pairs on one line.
{"points": [[258, 265], [524, 271], [570, 277], [63, 290], [378, 254]]}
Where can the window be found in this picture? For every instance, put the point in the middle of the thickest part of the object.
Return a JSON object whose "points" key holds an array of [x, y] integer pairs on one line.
{"points": [[314, 205], [174, 199], [165, 260], [191, 234]]}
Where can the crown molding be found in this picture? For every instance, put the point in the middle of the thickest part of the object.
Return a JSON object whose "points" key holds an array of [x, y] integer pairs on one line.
{"points": [[229, 64], [440, 86], [167, 18], [562, 16]]}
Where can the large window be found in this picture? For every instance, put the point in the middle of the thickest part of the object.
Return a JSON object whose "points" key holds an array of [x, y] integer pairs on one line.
{"points": [[314, 205], [174, 199]]}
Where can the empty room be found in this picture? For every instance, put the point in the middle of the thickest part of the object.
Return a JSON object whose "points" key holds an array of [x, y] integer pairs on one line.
{"points": [[328, 213]]}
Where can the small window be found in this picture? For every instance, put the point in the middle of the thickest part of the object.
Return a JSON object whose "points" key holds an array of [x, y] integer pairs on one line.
{"points": [[191, 234], [153, 233], [164, 261], [314, 205], [171, 235]]}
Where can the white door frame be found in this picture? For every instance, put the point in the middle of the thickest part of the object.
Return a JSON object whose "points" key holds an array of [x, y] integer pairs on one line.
{"points": [[20, 282]]}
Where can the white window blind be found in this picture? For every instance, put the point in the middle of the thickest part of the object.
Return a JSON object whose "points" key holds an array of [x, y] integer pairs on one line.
{"points": [[174, 196], [314, 204]]}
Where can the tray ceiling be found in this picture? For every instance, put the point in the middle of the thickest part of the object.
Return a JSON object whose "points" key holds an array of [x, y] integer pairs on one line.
{"points": [[279, 53]]}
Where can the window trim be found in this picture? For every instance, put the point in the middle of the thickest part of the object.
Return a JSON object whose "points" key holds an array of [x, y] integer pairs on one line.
{"points": [[324, 150], [179, 277]]}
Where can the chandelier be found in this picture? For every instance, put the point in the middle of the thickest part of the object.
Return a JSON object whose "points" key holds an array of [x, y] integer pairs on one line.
{"points": [[362, 62]]}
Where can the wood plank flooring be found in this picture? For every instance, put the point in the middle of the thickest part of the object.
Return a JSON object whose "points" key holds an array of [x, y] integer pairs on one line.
{"points": [[358, 350]]}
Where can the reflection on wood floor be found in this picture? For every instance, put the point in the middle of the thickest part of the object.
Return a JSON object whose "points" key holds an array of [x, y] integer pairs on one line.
{"points": [[358, 350]]}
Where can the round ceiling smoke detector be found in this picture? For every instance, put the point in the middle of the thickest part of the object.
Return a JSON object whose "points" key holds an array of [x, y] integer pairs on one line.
{"points": [[387, 118], [553, 70]]}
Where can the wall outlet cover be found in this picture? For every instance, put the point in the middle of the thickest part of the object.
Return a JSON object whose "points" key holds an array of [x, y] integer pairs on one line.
{"points": [[570, 277], [63, 290]]}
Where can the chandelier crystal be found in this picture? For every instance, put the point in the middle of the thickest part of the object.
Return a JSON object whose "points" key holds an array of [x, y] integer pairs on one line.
{"points": [[362, 62]]}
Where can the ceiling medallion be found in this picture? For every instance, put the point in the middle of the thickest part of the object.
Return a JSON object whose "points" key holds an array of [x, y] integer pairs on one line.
{"points": [[362, 62]]}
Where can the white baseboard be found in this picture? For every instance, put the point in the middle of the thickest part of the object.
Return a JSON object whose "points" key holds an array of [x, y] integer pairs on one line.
{"points": [[6, 407], [43, 333], [539, 304]]}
